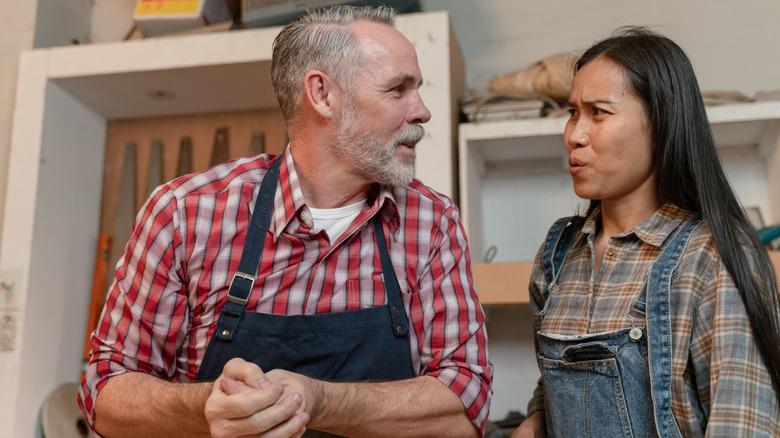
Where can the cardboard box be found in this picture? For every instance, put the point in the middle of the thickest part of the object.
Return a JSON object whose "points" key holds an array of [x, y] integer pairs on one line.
{"points": [[159, 17]]}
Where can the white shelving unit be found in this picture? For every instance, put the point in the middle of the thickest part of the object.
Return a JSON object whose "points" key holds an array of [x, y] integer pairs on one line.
{"points": [[514, 182], [64, 98]]}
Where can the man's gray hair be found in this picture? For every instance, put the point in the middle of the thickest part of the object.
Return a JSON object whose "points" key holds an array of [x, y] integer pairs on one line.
{"points": [[319, 40]]}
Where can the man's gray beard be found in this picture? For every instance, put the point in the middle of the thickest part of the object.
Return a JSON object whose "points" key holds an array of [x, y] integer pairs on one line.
{"points": [[374, 160]]}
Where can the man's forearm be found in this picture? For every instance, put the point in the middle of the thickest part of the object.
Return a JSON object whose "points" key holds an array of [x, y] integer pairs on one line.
{"points": [[422, 406], [137, 404]]}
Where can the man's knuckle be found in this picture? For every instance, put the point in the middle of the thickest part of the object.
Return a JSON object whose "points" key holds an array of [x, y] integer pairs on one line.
{"points": [[217, 432], [243, 410], [290, 406], [260, 423], [234, 363], [210, 411]]}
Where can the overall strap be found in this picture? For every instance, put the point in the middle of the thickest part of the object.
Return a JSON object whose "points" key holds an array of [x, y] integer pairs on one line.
{"points": [[243, 280], [556, 245], [392, 289], [659, 329]]}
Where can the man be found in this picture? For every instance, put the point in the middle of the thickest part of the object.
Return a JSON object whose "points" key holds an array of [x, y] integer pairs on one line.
{"points": [[350, 271]]}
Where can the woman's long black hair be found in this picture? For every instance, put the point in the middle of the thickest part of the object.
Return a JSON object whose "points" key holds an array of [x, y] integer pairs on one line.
{"points": [[689, 172]]}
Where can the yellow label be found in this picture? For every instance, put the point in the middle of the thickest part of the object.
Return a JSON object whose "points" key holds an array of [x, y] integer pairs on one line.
{"points": [[151, 8]]}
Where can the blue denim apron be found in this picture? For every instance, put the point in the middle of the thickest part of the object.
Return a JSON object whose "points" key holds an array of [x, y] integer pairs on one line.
{"points": [[616, 383], [363, 345]]}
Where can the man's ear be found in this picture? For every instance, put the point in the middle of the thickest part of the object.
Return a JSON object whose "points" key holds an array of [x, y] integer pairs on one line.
{"points": [[319, 92]]}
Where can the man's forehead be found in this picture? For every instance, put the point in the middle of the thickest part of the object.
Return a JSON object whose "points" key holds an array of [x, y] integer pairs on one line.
{"points": [[378, 36], [386, 50], [367, 28]]}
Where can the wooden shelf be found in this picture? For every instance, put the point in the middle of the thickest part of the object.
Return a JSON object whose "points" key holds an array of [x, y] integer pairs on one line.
{"points": [[502, 283], [507, 283]]}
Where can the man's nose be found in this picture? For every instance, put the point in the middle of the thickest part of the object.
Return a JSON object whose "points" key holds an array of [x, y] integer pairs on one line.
{"points": [[419, 113]]}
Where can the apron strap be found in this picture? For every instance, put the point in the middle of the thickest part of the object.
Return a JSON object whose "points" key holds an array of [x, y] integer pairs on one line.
{"points": [[392, 289], [243, 280]]}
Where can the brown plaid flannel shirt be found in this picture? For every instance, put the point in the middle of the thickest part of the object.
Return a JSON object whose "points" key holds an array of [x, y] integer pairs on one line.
{"points": [[721, 386]]}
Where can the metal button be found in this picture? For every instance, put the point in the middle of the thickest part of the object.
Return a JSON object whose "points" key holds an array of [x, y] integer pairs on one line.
{"points": [[395, 310], [399, 329], [635, 334], [610, 253], [226, 332]]}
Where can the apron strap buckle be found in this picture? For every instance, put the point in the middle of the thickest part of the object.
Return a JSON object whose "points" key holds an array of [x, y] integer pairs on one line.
{"points": [[244, 286]]}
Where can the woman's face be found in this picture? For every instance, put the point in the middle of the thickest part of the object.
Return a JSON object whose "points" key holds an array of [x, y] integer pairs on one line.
{"points": [[608, 137]]}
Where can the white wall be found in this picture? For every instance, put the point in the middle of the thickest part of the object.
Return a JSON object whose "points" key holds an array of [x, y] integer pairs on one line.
{"points": [[17, 27], [62, 22], [67, 202], [23, 25], [733, 45]]}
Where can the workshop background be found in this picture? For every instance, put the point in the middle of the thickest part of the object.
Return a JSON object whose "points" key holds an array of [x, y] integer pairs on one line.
{"points": [[76, 160]]}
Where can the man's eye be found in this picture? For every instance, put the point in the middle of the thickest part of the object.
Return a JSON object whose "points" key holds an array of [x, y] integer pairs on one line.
{"points": [[572, 112], [599, 112]]}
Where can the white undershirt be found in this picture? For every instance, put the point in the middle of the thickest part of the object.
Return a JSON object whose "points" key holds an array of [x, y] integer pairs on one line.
{"points": [[335, 220]]}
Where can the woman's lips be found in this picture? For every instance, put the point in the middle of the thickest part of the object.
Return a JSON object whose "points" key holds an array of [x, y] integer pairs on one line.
{"points": [[575, 166]]}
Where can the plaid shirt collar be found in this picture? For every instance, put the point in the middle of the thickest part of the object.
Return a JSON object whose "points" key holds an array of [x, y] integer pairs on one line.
{"points": [[290, 206], [653, 231]]}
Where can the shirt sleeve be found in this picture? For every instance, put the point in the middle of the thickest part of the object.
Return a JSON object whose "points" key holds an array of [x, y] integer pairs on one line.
{"points": [[143, 321], [449, 323], [735, 386]]}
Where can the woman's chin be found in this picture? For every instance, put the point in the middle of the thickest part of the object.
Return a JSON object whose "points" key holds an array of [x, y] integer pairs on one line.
{"points": [[585, 192]]}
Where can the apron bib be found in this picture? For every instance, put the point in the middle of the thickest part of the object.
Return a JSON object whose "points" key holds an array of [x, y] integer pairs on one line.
{"points": [[355, 346]]}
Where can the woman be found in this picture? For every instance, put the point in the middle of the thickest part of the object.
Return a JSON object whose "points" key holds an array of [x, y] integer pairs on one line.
{"points": [[657, 312]]}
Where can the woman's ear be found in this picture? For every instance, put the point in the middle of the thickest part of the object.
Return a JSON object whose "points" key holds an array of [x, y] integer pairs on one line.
{"points": [[319, 93]]}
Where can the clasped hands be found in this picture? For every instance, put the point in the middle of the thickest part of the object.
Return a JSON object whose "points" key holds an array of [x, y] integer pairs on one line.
{"points": [[245, 401]]}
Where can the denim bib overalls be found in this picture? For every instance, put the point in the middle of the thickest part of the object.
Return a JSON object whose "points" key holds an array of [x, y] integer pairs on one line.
{"points": [[612, 384], [362, 345]]}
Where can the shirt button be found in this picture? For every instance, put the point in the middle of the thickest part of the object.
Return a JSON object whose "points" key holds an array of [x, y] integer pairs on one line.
{"points": [[306, 218]]}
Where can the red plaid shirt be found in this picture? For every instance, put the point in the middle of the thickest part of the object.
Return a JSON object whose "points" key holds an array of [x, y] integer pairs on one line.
{"points": [[172, 280]]}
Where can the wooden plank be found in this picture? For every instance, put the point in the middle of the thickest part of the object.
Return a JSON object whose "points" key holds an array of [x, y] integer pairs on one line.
{"points": [[507, 283], [502, 283]]}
